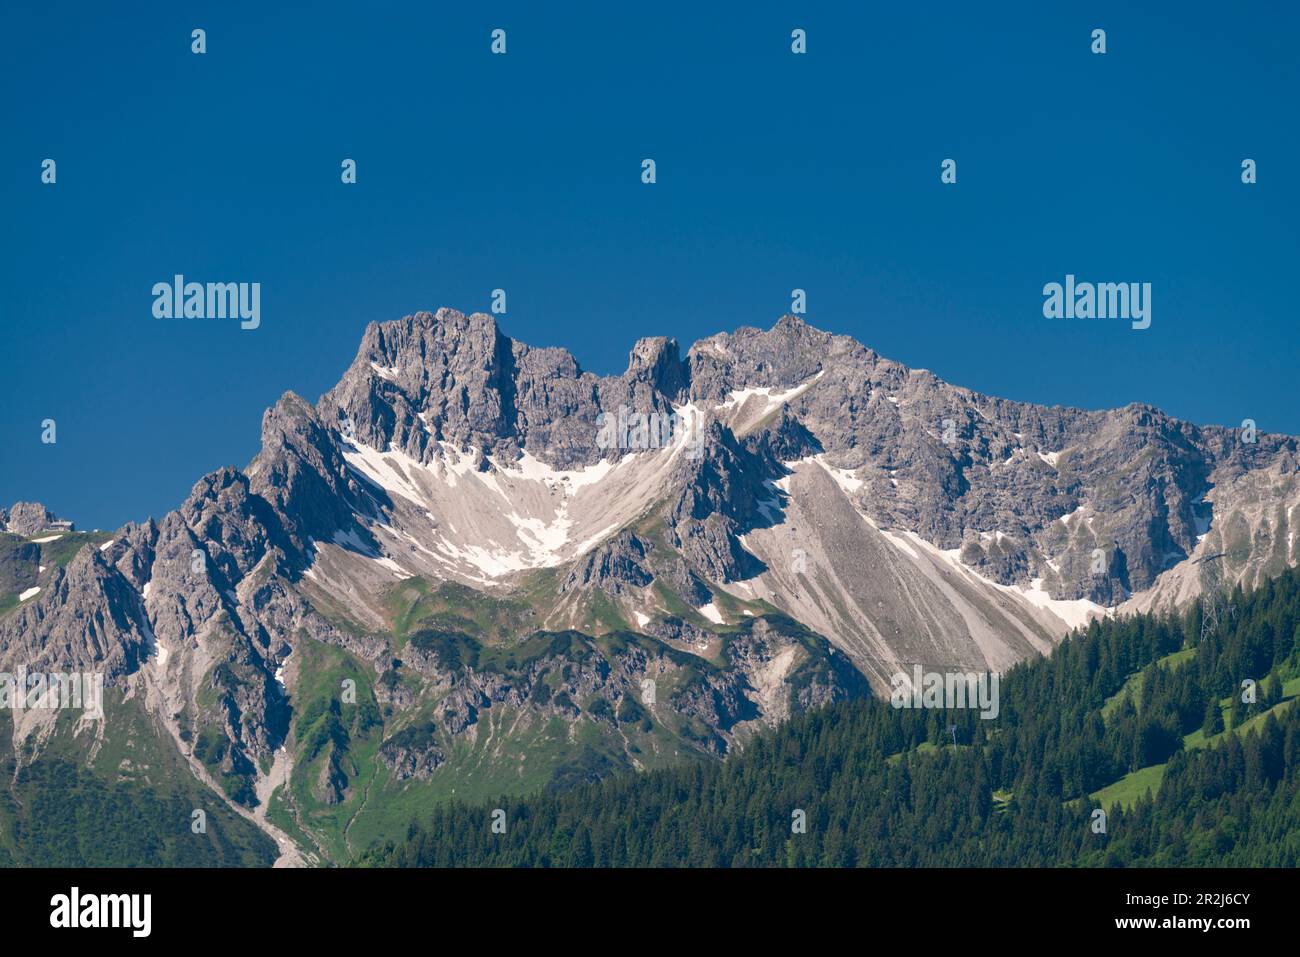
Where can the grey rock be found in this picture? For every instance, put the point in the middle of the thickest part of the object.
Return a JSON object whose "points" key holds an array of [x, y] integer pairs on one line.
{"points": [[88, 619], [611, 566], [413, 753], [27, 518], [290, 548]]}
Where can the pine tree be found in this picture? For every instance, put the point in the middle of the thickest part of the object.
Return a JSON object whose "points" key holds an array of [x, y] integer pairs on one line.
{"points": [[1272, 691], [873, 798], [1213, 718]]}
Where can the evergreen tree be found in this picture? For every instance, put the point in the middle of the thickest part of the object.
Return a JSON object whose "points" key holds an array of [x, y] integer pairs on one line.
{"points": [[1213, 718], [1018, 791]]}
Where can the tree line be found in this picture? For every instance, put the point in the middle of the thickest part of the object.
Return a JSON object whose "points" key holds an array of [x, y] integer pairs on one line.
{"points": [[877, 786]]}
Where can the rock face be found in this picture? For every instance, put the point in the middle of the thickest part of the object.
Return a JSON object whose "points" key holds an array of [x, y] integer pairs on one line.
{"points": [[89, 619], [27, 518], [19, 565], [612, 566], [472, 564], [719, 498], [413, 752]]}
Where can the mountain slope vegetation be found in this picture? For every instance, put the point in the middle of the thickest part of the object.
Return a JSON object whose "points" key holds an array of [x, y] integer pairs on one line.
{"points": [[472, 568], [882, 787]]}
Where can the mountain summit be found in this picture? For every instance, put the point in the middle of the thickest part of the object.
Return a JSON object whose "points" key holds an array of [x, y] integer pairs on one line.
{"points": [[474, 568]]}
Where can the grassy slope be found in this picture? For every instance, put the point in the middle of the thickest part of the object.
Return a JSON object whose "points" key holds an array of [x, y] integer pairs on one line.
{"points": [[54, 554], [1126, 791], [327, 728], [1132, 689], [512, 752], [127, 802], [1133, 785]]}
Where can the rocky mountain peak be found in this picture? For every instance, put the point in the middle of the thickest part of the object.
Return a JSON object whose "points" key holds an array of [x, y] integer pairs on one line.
{"points": [[88, 619], [656, 360], [28, 518], [491, 532]]}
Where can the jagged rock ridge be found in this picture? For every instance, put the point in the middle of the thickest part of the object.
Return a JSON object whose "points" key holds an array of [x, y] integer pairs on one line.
{"points": [[784, 512]]}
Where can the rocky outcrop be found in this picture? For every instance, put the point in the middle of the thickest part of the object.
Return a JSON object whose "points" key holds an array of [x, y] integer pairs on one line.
{"points": [[19, 565], [413, 753], [889, 516], [26, 518], [613, 567], [88, 620], [718, 497]]}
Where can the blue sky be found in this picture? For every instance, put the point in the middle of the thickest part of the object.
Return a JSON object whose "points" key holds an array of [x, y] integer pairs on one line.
{"points": [[522, 172]]}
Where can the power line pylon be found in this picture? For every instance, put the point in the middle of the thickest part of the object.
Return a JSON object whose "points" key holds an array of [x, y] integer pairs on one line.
{"points": [[1216, 606]]}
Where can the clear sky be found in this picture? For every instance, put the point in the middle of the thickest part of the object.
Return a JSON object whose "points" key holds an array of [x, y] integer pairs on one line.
{"points": [[523, 171]]}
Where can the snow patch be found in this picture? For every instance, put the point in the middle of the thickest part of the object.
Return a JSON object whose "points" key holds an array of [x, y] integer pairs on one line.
{"points": [[599, 536], [279, 671], [897, 540], [384, 470], [349, 539], [532, 469], [710, 611], [29, 593], [1075, 612], [543, 535], [1066, 519], [1202, 523], [775, 400], [481, 515], [494, 564], [844, 478], [385, 562]]}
